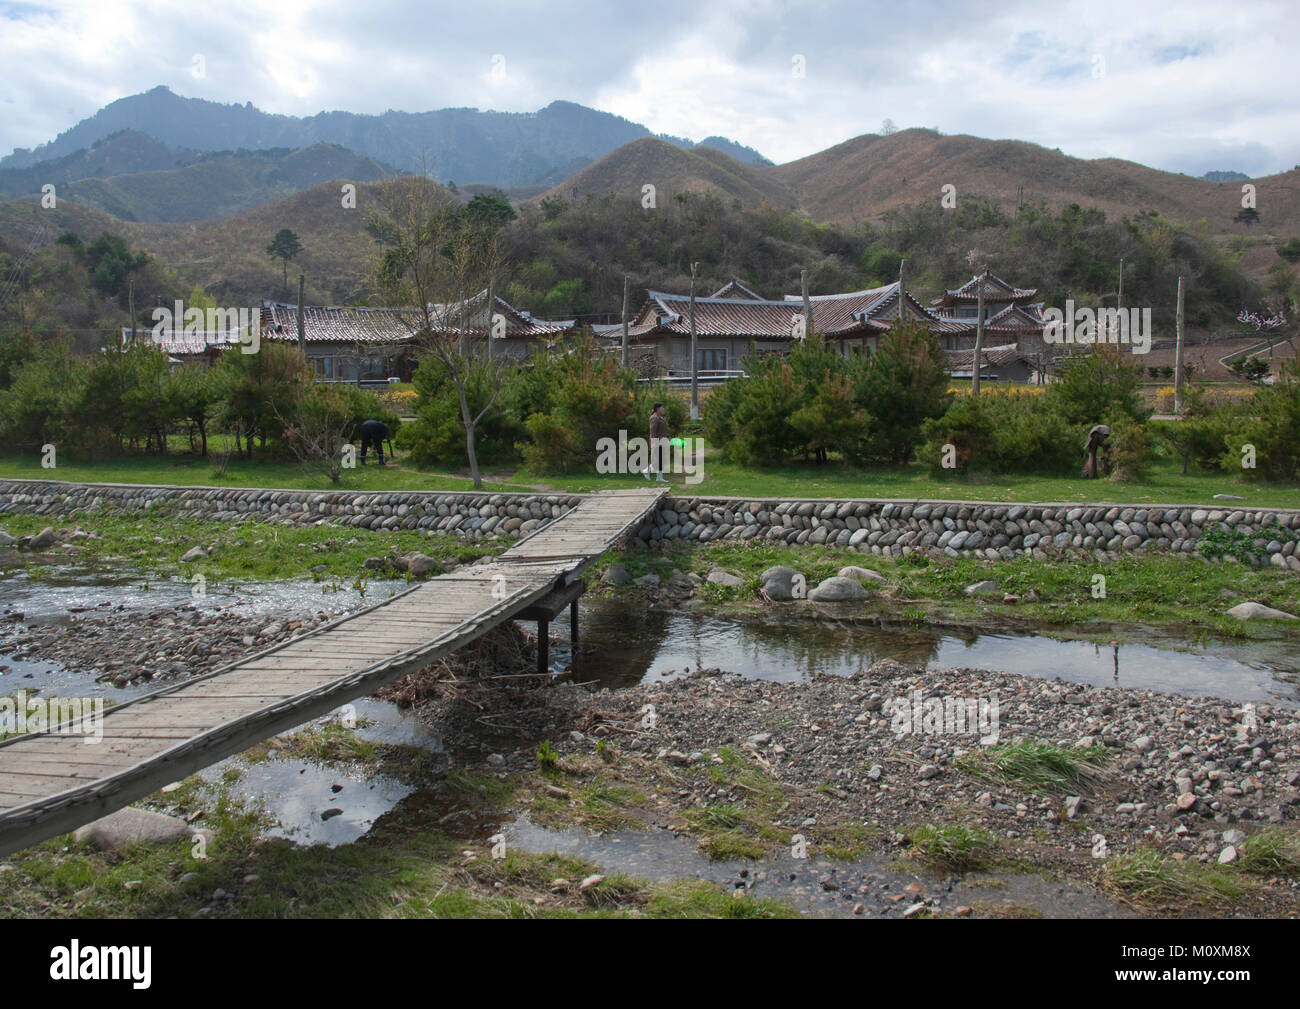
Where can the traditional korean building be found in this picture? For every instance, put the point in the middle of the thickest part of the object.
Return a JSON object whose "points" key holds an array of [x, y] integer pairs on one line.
{"points": [[1011, 316], [375, 345], [182, 347], [1006, 363], [734, 320]]}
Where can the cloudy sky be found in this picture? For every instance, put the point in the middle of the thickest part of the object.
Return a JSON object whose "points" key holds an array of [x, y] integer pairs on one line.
{"points": [[1187, 86]]}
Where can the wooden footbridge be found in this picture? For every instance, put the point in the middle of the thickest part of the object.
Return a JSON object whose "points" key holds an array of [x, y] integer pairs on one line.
{"points": [[51, 783]]}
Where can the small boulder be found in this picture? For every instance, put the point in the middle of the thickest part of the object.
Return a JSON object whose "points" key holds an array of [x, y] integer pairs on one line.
{"points": [[1258, 611], [6, 540], [615, 574], [193, 554], [421, 564], [861, 574], [838, 590], [725, 578], [983, 588], [135, 826], [45, 538], [778, 583], [648, 580]]}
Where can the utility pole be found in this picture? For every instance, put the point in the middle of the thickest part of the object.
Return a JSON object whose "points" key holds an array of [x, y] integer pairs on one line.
{"points": [[807, 304], [130, 306], [1178, 352], [627, 282], [979, 337], [302, 335], [902, 293], [1119, 298], [695, 362], [491, 304]]}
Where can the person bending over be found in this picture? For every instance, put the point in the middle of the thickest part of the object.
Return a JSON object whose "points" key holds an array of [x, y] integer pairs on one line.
{"points": [[373, 432]]}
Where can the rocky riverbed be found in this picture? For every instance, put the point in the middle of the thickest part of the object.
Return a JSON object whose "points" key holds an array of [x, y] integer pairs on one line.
{"points": [[1185, 781]]}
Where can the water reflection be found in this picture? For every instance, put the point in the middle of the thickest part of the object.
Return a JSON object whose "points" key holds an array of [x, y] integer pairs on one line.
{"points": [[623, 643]]}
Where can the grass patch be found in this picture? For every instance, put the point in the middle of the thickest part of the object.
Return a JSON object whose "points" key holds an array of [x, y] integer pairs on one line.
{"points": [[953, 847], [1150, 879], [397, 873], [244, 550], [1037, 766], [844, 842], [699, 899], [333, 742], [1270, 853]]}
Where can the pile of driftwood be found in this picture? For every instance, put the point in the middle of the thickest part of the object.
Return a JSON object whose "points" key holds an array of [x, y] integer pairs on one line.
{"points": [[503, 656]]}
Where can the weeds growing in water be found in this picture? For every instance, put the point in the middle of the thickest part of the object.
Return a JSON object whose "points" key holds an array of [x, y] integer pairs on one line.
{"points": [[547, 757]]}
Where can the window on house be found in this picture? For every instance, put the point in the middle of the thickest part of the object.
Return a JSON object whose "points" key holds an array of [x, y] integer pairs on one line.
{"points": [[711, 360]]}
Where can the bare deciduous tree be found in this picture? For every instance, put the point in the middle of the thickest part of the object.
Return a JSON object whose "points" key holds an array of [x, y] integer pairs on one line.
{"points": [[438, 261]]}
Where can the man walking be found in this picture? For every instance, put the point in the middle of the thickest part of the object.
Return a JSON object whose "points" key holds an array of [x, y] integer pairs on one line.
{"points": [[373, 432], [658, 443]]}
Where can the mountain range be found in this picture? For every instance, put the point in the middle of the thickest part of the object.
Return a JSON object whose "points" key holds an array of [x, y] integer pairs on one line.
{"points": [[501, 148], [204, 186]]}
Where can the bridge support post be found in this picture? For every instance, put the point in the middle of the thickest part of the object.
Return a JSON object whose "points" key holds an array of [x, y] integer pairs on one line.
{"points": [[547, 609]]}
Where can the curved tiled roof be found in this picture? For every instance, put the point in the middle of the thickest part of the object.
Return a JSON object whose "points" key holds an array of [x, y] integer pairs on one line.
{"points": [[336, 324], [995, 289], [835, 315]]}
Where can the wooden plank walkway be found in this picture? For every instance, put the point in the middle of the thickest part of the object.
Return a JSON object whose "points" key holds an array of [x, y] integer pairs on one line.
{"points": [[50, 783]]}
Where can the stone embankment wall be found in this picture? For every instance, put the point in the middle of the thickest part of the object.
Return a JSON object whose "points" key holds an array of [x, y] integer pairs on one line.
{"points": [[472, 516], [878, 528], [971, 529]]}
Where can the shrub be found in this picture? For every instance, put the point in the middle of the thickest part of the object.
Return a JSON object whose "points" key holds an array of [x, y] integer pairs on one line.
{"points": [[1091, 387], [1274, 430], [1126, 456], [1002, 432], [902, 385]]}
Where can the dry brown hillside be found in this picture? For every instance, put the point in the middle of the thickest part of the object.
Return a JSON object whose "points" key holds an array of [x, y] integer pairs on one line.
{"points": [[227, 257], [860, 179], [670, 170]]}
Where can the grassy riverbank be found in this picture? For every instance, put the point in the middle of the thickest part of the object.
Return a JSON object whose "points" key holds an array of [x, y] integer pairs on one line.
{"points": [[155, 541], [1151, 589], [1164, 484], [395, 871]]}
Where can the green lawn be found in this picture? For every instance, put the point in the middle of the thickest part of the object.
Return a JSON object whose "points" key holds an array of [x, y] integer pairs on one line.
{"points": [[1163, 485], [187, 470]]}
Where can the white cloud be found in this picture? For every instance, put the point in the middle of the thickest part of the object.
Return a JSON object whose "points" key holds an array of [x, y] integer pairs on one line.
{"points": [[1211, 87]]}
